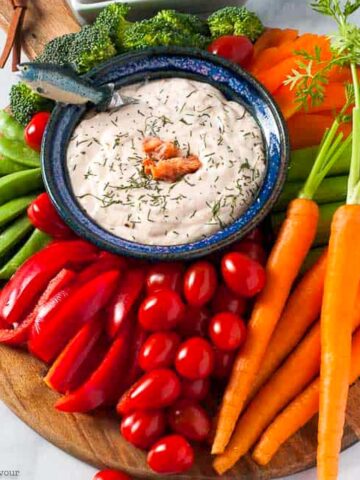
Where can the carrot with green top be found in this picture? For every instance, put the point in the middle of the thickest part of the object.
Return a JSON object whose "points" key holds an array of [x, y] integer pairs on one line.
{"points": [[302, 310], [299, 412], [300, 368], [343, 267], [284, 263]]}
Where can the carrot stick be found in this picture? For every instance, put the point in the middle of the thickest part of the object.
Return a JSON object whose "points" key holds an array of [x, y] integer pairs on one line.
{"points": [[287, 382], [273, 37], [299, 412], [341, 283], [300, 368], [307, 130], [302, 309], [290, 249]]}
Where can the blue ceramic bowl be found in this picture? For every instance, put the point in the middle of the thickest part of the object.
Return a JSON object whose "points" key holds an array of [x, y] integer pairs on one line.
{"points": [[157, 63]]}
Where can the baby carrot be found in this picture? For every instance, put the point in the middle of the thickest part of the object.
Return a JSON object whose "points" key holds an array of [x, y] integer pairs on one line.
{"points": [[302, 309], [291, 247], [287, 382], [341, 284], [299, 412]]}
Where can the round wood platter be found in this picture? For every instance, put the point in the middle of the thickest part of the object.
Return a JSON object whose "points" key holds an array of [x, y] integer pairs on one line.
{"points": [[95, 438]]}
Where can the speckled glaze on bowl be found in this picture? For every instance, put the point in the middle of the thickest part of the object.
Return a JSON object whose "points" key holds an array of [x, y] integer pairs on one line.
{"points": [[157, 63]]}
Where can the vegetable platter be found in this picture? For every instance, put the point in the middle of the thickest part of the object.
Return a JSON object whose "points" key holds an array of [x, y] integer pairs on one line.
{"points": [[234, 336]]}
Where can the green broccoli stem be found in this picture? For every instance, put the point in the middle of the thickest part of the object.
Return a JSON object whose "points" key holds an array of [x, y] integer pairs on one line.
{"points": [[302, 160], [353, 196], [326, 214], [332, 189]]}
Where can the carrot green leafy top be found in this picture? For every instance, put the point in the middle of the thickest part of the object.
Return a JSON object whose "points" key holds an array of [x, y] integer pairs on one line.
{"points": [[310, 86]]}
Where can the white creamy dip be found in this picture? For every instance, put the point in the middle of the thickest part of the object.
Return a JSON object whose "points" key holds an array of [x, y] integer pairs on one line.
{"points": [[106, 152]]}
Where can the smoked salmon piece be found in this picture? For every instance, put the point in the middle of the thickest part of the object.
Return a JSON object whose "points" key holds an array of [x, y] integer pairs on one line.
{"points": [[164, 160], [151, 143], [172, 169]]}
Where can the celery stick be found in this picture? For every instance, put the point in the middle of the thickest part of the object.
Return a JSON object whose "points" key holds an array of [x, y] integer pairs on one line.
{"points": [[326, 213], [332, 189], [302, 160]]}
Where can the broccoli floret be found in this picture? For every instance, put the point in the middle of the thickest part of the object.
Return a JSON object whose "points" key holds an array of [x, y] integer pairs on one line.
{"points": [[183, 22], [57, 51], [24, 103], [235, 21], [91, 46], [155, 33], [113, 20]]}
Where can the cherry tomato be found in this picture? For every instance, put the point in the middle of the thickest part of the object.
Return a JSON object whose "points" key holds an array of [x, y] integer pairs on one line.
{"points": [[252, 249], [236, 48], [156, 389], [227, 331], [35, 129], [224, 362], [170, 455], [165, 276], [44, 217], [195, 390], [195, 322], [227, 301], [187, 418], [161, 311], [195, 358], [243, 275], [200, 283], [159, 351], [143, 428], [111, 475]]}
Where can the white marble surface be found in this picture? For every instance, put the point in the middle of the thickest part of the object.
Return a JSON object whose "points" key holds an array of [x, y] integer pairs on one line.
{"points": [[23, 450]]}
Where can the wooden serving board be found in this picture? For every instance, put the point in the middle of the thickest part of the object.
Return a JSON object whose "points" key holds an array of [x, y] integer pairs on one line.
{"points": [[95, 439]]}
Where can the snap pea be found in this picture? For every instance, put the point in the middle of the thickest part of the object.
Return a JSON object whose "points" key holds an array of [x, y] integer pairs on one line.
{"points": [[18, 184], [13, 234], [35, 242], [9, 166], [10, 128], [14, 208], [19, 152]]}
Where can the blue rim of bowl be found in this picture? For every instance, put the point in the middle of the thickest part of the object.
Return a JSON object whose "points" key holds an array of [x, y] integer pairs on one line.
{"points": [[162, 62]]}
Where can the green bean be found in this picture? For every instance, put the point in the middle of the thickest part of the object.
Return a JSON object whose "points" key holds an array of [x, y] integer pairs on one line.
{"points": [[19, 152], [35, 242], [19, 183], [14, 208], [9, 166], [10, 128], [13, 234]]}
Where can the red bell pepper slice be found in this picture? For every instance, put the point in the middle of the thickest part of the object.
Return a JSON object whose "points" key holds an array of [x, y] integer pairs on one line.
{"points": [[135, 371], [105, 261], [44, 217], [107, 380], [19, 335], [78, 308], [78, 360], [131, 286], [22, 291]]}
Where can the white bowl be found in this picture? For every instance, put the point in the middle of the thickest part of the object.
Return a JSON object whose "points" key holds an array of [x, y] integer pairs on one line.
{"points": [[86, 10]]}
